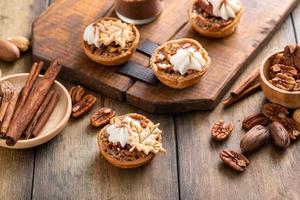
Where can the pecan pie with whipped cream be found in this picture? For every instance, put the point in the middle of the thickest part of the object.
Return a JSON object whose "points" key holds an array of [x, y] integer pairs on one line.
{"points": [[130, 141], [216, 18], [180, 63], [110, 41]]}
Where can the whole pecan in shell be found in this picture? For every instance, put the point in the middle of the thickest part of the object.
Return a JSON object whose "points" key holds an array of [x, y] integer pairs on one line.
{"points": [[254, 138], [220, 131], [76, 93], [254, 120], [234, 160], [279, 135], [102, 116], [83, 106]]}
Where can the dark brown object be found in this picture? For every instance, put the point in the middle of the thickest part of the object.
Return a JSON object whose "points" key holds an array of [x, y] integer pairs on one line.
{"points": [[274, 112], [254, 138], [8, 51], [279, 135], [9, 113], [76, 93], [291, 56], [32, 104], [158, 99], [254, 120], [234, 160], [45, 115], [278, 59], [221, 131], [31, 126], [102, 117], [206, 6], [32, 77], [83, 106]]}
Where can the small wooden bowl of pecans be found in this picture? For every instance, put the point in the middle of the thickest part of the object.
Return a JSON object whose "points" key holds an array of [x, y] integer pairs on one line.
{"points": [[280, 77]]}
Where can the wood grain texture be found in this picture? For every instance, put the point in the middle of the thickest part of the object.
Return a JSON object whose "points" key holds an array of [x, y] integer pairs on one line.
{"points": [[272, 174], [17, 166], [71, 167], [229, 57]]}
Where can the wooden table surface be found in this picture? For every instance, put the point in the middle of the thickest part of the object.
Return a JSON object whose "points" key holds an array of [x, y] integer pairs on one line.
{"points": [[70, 167]]}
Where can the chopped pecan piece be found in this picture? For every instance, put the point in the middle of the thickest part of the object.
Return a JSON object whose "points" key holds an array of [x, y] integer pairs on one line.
{"points": [[220, 131], [274, 112], [284, 69], [283, 81], [234, 160], [278, 59], [76, 93], [83, 106], [291, 56], [102, 117], [254, 120], [206, 6]]}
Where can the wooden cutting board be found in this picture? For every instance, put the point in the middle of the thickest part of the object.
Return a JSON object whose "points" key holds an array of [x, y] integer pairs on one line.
{"points": [[58, 31]]}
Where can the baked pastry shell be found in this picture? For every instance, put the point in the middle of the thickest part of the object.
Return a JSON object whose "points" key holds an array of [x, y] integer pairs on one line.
{"points": [[178, 81], [115, 60], [123, 164], [224, 32]]}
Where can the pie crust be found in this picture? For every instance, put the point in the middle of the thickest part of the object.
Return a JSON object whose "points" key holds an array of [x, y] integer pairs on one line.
{"points": [[112, 59], [223, 32], [139, 159], [174, 79]]}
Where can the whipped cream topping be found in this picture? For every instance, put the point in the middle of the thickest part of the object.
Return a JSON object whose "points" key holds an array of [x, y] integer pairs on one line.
{"points": [[118, 133], [108, 31], [225, 8], [186, 59]]}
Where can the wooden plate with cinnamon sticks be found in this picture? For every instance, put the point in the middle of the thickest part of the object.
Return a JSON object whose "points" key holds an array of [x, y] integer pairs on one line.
{"points": [[54, 124]]}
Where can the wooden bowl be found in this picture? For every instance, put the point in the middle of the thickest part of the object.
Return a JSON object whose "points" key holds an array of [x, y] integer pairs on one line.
{"points": [[275, 95], [57, 121]]}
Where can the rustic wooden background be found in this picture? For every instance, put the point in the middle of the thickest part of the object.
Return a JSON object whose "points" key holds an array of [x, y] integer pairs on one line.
{"points": [[69, 167]]}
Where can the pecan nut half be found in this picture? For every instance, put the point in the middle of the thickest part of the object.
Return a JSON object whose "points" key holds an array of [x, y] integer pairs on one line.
{"points": [[291, 56], [83, 106], [254, 138], [234, 160], [279, 135], [284, 69], [220, 131], [101, 117], [292, 127], [278, 59], [283, 81], [274, 112], [76, 93], [254, 120]]}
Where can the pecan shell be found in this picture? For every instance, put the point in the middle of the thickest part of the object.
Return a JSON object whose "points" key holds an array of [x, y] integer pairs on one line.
{"points": [[234, 160], [274, 112], [279, 135], [76, 93], [254, 120], [254, 138], [101, 117], [220, 131], [83, 106]]}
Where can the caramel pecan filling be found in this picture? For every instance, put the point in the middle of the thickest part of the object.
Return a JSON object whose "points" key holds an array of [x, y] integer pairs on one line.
{"points": [[207, 20], [162, 58]]}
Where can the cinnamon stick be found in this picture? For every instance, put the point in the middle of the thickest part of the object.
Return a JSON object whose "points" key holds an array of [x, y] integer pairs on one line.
{"points": [[32, 104], [233, 99], [25, 91], [250, 80], [45, 115], [28, 131], [9, 114]]}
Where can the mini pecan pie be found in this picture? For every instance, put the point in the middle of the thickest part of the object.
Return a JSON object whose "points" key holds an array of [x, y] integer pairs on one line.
{"points": [[130, 141], [109, 41], [180, 63], [216, 18]]}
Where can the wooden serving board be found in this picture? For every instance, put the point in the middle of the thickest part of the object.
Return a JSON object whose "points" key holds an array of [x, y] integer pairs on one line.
{"points": [[58, 31]]}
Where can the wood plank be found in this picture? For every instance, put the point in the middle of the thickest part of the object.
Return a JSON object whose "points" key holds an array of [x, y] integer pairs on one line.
{"points": [[71, 167], [272, 174], [296, 22], [229, 58], [17, 166]]}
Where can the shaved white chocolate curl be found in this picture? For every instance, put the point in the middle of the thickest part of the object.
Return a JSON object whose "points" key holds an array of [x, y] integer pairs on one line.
{"points": [[225, 8]]}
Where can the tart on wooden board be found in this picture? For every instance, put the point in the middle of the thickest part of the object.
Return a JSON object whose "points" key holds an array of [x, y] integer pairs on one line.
{"points": [[180, 63], [109, 41], [215, 18], [130, 141]]}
